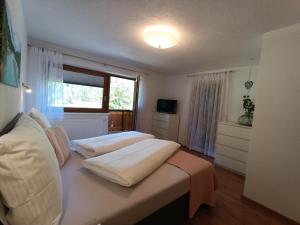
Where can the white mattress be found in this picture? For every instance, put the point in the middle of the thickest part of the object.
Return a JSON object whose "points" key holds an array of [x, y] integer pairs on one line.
{"points": [[91, 200]]}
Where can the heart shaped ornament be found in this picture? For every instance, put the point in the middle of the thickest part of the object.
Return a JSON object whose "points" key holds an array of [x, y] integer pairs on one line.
{"points": [[248, 84]]}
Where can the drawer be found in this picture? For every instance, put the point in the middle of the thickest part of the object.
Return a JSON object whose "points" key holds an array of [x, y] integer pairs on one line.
{"points": [[158, 130], [232, 153], [235, 131], [233, 142], [161, 117], [231, 164], [160, 124]]}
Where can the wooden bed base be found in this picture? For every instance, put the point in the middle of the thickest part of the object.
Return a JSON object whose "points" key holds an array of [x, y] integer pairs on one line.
{"points": [[175, 213]]}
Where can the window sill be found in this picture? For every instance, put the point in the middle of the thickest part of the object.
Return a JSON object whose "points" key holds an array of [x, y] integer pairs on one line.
{"points": [[76, 116], [120, 110]]}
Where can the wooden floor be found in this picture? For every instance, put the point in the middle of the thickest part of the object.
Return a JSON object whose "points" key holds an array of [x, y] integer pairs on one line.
{"points": [[232, 208]]}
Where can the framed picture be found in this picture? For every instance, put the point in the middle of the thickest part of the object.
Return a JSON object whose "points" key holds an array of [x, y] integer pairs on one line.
{"points": [[10, 49]]}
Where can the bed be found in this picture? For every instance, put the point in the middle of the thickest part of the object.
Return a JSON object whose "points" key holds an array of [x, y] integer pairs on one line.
{"points": [[92, 200], [89, 199]]}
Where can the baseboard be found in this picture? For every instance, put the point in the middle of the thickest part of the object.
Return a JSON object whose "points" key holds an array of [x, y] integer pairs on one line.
{"points": [[230, 170], [288, 220]]}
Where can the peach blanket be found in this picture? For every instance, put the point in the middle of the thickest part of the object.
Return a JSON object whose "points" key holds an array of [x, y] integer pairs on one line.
{"points": [[202, 179]]}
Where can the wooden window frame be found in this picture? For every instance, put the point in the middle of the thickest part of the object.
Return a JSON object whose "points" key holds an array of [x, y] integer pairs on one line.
{"points": [[106, 88]]}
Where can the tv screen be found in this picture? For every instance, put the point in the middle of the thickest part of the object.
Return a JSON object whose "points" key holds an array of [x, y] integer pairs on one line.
{"points": [[167, 106]]}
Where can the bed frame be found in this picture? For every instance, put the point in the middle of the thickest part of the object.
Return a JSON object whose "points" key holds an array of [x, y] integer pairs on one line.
{"points": [[175, 213]]}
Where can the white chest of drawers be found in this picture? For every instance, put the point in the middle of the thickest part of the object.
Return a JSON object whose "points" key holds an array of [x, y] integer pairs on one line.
{"points": [[232, 146], [165, 126]]}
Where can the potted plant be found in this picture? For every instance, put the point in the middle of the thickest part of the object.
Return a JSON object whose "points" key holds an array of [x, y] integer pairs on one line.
{"points": [[249, 107]]}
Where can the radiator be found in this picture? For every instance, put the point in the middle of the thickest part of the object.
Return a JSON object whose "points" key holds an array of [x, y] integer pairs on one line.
{"points": [[85, 125]]}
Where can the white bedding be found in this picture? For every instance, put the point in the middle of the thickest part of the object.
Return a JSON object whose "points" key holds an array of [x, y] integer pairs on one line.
{"points": [[92, 200], [129, 165], [95, 146]]}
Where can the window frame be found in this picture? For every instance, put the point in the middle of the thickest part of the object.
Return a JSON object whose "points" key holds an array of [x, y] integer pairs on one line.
{"points": [[106, 89]]}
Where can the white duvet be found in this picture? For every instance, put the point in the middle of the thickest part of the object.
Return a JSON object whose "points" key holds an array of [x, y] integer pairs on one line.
{"points": [[129, 165], [95, 146]]}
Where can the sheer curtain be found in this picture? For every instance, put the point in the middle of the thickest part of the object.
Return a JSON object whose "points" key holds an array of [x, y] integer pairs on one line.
{"points": [[141, 105], [45, 77], [207, 107]]}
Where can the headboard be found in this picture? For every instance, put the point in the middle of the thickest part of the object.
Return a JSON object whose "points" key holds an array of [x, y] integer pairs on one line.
{"points": [[10, 125]]}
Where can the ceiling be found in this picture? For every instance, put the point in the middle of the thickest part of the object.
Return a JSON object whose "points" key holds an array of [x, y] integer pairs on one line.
{"points": [[214, 34]]}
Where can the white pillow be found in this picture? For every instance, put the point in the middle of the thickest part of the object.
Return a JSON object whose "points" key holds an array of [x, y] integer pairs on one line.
{"points": [[60, 142], [30, 178], [40, 118]]}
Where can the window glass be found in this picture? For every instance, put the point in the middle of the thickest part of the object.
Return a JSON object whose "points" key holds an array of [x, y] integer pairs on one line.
{"points": [[82, 96], [85, 90], [121, 93]]}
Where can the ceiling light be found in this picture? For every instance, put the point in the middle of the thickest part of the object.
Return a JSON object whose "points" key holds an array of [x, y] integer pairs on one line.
{"points": [[161, 36]]}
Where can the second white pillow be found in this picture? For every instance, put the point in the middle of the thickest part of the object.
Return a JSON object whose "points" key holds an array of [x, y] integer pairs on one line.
{"points": [[40, 118]]}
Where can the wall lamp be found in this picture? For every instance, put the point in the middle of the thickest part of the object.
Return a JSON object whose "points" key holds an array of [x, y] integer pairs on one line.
{"points": [[26, 88]]}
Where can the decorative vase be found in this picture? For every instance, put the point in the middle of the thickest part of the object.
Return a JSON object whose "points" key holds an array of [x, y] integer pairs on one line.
{"points": [[246, 119]]}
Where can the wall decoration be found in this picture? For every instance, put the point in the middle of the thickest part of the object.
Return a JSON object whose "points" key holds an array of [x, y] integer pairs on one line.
{"points": [[10, 49], [248, 104], [249, 107]]}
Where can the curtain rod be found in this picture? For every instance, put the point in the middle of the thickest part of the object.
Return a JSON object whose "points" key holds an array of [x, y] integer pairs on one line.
{"points": [[92, 60], [210, 72]]}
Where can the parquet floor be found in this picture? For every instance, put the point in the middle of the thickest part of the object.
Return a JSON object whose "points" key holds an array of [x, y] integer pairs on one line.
{"points": [[232, 208]]}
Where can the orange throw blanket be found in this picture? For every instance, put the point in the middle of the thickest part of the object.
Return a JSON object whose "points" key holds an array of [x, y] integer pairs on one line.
{"points": [[202, 179]]}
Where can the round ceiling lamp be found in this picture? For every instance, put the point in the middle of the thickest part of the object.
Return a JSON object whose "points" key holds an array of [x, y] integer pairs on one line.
{"points": [[161, 36]]}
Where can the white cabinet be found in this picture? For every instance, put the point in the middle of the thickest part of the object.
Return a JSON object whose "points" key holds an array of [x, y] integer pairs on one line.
{"points": [[232, 146], [165, 126]]}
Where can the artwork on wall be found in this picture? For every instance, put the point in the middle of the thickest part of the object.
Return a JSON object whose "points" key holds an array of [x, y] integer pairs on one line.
{"points": [[10, 49]]}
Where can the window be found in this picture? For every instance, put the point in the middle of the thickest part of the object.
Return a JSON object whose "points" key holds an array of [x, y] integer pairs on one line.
{"points": [[122, 102], [82, 96], [122, 93], [85, 90], [93, 91]]}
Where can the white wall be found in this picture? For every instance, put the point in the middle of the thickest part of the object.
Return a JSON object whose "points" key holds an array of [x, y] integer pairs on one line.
{"points": [[273, 171], [11, 99], [155, 85], [179, 87]]}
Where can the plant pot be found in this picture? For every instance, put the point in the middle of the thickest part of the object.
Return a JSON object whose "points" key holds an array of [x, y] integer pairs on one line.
{"points": [[246, 119]]}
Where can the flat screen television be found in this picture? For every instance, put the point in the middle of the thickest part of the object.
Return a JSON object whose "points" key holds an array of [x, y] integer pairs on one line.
{"points": [[166, 106]]}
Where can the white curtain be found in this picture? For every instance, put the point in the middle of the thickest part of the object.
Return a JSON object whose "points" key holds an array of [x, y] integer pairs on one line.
{"points": [[207, 107], [141, 124], [45, 77]]}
